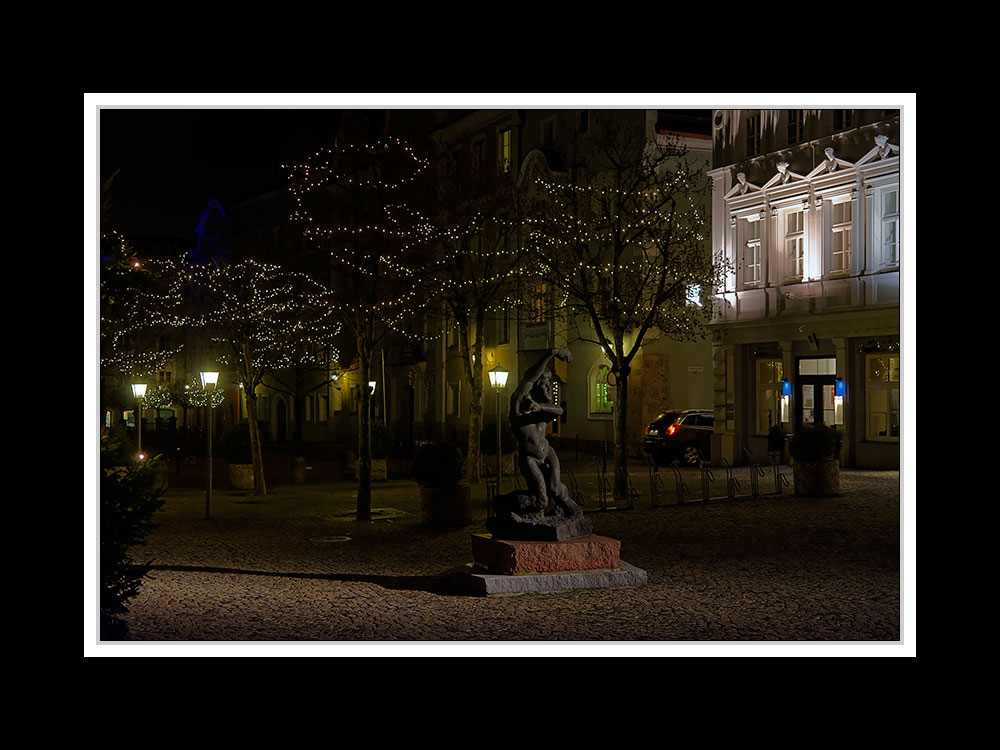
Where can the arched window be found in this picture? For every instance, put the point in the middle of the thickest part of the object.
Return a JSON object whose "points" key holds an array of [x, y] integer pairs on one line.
{"points": [[600, 395]]}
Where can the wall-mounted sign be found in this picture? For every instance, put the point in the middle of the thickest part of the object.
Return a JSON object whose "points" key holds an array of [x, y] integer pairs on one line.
{"points": [[696, 369]]}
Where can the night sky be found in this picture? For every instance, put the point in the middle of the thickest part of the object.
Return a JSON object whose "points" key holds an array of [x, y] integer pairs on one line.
{"points": [[173, 161]]}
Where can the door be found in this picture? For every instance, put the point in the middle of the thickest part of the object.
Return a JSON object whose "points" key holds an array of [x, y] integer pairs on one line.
{"points": [[817, 382]]}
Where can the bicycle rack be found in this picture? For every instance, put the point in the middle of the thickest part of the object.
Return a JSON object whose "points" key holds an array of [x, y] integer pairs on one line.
{"points": [[682, 488], [707, 477], [655, 483], [732, 483], [780, 480], [756, 472]]}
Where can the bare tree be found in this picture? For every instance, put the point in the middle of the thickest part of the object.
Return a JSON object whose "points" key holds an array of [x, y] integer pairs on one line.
{"points": [[622, 239]]}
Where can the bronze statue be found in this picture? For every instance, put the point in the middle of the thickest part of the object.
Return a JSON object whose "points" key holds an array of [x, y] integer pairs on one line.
{"points": [[545, 511]]}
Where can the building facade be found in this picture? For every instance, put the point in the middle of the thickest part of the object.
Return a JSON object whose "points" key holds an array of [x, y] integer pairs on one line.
{"points": [[806, 216], [666, 374]]}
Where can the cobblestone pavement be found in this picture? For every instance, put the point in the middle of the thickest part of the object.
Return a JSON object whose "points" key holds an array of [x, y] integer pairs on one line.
{"points": [[295, 566]]}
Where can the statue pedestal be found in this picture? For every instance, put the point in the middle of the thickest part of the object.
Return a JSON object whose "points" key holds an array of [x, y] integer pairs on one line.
{"points": [[505, 566], [516, 557]]}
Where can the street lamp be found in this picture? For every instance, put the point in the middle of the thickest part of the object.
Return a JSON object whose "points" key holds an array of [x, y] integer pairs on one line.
{"points": [[139, 391], [209, 380], [498, 379]]}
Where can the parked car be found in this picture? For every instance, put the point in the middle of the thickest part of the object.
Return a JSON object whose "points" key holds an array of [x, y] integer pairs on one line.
{"points": [[685, 435]]}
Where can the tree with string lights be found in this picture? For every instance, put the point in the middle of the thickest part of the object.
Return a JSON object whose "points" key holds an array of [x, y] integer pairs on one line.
{"points": [[262, 317], [472, 266], [622, 239], [342, 194], [139, 302]]}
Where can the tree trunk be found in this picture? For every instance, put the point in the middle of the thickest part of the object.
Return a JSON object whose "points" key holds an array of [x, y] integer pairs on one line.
{"points": [[256, 454], [621, 436], [364, 510], [299, 414]]}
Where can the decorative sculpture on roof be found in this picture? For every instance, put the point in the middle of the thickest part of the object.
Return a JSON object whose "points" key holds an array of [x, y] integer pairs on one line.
{"points": [[884, 150], [831, 161]]}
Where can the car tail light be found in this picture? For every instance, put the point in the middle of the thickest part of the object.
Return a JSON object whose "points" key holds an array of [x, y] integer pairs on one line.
{"points": [[672, 429]]}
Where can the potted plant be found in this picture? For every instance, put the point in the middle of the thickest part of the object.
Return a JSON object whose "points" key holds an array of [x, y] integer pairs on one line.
{"points": [[815, 451], [237, 450], [444, 500], [488, 445]]}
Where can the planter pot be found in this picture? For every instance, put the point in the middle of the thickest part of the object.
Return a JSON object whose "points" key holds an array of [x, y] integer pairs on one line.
{"points": [[241, 476], [379, 469], [817, 478], [446, 506]]}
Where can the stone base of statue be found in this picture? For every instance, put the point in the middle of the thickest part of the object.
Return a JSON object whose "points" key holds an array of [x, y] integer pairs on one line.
{"points": [[504, 567], [512, 557], [518, 518]]}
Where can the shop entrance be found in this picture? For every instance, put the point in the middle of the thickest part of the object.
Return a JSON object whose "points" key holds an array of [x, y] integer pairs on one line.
{"points": [[816, 382]]}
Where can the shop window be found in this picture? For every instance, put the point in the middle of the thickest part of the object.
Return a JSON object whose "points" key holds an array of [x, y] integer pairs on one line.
{"points": [[882, 397], [769, 375]]}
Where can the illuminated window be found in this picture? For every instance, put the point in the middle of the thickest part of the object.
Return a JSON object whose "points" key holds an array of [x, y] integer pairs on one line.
{"points": [[795, 248], [882, 402], [505, 152], [693, 295], [769, 374], [600, 394], [753, 264], [842, 233], [889, 226], [538, 302]]}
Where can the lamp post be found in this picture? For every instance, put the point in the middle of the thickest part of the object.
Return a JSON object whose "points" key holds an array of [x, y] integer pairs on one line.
{"points": [[498, 379], [139, 391], [208, 381]]}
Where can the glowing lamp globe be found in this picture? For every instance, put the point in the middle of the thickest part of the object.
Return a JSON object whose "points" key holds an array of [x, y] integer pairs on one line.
{"points": [[209, 379], [498, 377]]}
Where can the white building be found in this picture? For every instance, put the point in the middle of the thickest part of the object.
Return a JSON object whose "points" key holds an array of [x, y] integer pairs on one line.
{"points": [[806, 213]]}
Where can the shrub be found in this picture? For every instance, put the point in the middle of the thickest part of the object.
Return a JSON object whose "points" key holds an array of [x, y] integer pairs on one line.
{"points": [[488, 438], [130, 495], [237, 444], [438, 465], [816, 442]]}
